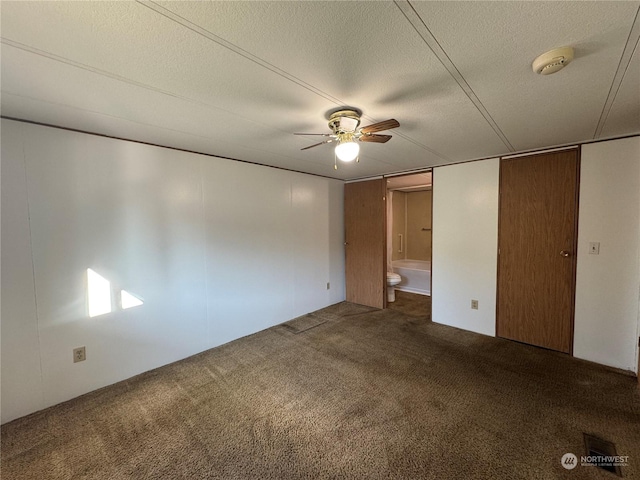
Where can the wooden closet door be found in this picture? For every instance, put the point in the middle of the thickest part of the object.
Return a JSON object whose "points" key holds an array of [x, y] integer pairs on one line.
{"points": [[537, 243], [365, 242]]}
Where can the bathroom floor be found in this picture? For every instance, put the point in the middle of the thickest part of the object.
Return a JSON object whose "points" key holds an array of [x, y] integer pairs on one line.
{"points": [[412, 304]]}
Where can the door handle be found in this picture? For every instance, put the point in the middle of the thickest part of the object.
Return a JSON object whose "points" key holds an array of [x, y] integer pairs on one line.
{"points": [[564, 253]]}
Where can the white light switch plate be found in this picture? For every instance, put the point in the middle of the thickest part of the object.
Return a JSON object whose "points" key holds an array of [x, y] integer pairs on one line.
{"points": [[594, 248]]}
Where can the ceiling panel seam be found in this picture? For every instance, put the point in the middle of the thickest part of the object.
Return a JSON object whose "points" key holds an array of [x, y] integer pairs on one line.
{"points": [[423, 31], [182, 132], [236, 49], [114, 76], [623, 65], [265, 64], [94, 112]]}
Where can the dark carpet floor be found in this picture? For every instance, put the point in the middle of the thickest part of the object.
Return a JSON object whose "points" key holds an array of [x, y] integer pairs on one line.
{"points": [[344, 393], [412, 304]]}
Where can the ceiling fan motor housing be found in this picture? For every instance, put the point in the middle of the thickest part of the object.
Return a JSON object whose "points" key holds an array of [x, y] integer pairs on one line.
{"points": [[344, 121]]}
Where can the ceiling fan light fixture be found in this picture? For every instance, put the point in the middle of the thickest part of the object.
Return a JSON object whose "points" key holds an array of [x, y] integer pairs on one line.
{"points": [[347, 151], [346, 135]]}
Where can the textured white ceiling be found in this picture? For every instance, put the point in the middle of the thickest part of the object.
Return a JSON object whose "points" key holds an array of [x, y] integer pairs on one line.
{"points": [[236, 79]]}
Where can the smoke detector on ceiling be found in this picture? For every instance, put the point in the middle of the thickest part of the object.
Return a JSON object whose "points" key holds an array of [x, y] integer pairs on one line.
{"points": [[553, 60]]}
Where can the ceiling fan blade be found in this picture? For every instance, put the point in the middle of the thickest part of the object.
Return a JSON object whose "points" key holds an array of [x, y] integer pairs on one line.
{"points": [[322, 134], [316, 144], [378, 127], [375, 138]]}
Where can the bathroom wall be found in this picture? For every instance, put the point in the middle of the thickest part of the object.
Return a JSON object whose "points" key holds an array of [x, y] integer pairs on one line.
{"points": [[216, 249], [399, 225], [411, 214], [419, 219]]}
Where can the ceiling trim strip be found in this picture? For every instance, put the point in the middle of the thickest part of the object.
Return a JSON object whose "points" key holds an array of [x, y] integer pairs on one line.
{"points": [[114, 76], [178, 149], [84, 66], [421, 28], [518, 154], [263, 63], [540, 152], [146, 86], [414, 171], [236, 49], [623, 65], [356, 180]]}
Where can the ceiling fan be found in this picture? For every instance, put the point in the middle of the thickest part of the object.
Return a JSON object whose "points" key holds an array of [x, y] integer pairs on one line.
{"points": [[344, 125]]}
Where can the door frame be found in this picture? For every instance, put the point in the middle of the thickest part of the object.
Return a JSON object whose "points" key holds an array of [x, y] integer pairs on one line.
{"points": [[430, 170]]}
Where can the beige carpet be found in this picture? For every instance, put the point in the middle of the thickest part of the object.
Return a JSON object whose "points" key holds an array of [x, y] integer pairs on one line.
{"points": [[351, 394]]}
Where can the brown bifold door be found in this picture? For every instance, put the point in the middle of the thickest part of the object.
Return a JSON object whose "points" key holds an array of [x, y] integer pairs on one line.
{"points": [[365, 242], [537, 243]]}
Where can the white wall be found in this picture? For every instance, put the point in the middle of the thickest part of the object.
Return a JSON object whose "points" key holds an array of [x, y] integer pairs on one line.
{"points": [[465, 215], [465, 239], [217, 249], [20, 361], [608, 284]]}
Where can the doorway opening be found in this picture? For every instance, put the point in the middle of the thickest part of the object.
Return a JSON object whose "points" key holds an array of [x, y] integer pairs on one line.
{"points": [[409, 227]]}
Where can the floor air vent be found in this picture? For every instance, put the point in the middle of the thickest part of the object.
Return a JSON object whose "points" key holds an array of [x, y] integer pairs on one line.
{"points": [[602, 454]]}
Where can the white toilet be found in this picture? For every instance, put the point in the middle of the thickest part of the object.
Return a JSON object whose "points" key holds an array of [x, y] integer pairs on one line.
{"points": [[393, 279]]}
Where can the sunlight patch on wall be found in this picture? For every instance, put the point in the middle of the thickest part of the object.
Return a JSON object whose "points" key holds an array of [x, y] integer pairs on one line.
{"points": [[127, 300], [99, 294]]}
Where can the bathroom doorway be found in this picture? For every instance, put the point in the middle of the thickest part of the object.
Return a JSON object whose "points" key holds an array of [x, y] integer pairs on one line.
{"points": [[409, 236]]}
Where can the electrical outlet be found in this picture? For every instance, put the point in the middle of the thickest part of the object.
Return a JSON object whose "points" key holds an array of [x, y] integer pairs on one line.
{"points": [[79, 354], [474, 304], [594, 248], [328, 285]]}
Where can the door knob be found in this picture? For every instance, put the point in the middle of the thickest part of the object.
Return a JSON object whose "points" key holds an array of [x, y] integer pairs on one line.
{"points": [[564, 253]]}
